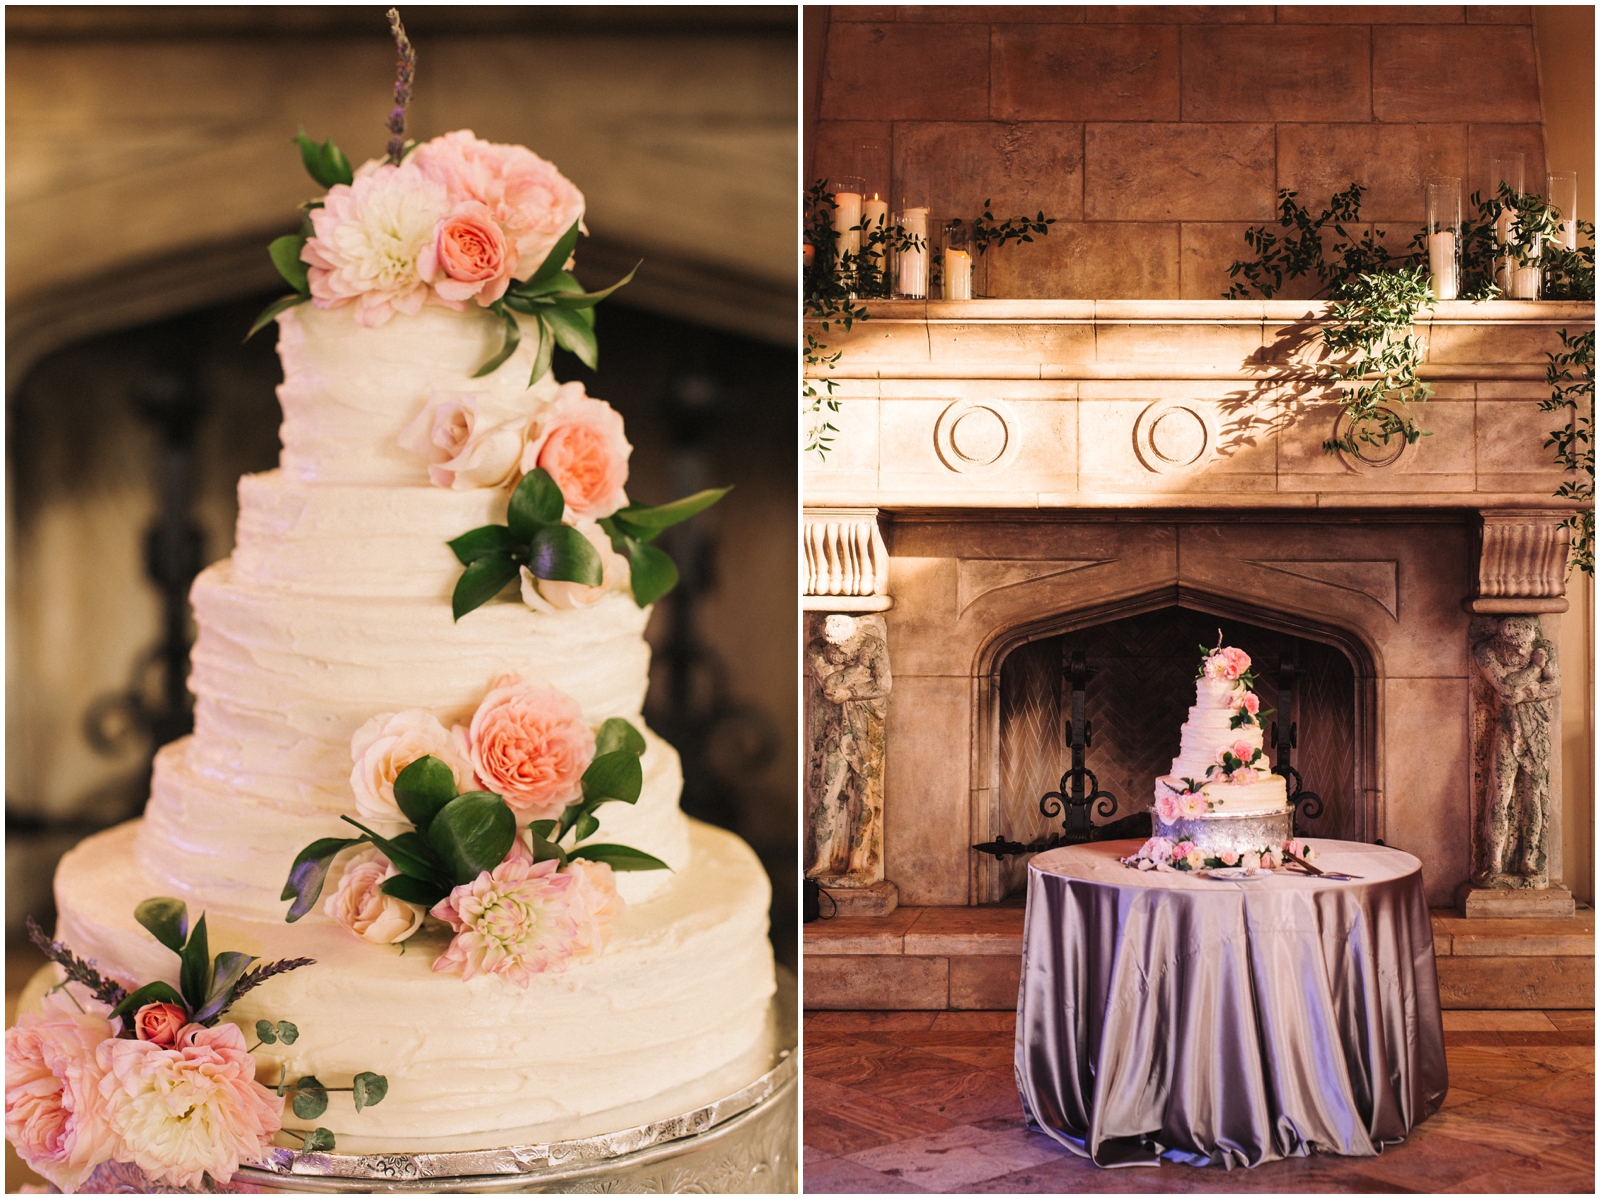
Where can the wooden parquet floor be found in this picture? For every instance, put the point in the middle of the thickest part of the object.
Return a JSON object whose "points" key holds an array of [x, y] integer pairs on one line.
{"points": [[924, 1102]]}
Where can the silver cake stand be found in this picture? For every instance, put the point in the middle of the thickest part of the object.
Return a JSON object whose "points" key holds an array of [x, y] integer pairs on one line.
{"points": [[735, 1132]]}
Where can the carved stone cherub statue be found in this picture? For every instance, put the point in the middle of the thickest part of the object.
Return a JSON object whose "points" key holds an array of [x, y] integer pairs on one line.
{"points": [[849, 665], [1519, 665]]}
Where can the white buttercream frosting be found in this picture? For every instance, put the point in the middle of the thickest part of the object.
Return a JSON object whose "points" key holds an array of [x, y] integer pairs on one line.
{"points": [[1208, 730]]}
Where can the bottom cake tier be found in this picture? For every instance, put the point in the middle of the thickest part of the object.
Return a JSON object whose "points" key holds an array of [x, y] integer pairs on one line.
{"points": [[1217, 833], [682, 990]]}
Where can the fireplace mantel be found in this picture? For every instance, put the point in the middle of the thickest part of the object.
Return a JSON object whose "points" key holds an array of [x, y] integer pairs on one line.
{"points": [[1173, 404]]}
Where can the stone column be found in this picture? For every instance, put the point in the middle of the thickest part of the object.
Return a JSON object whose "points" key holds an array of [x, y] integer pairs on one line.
{"points": [[847, 685], [1519, 573]]}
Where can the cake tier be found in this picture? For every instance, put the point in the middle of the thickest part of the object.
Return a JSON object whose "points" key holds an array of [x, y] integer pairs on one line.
{"points": [[1208, 730], [682, 989], [1268, 795], [1217, 833]]}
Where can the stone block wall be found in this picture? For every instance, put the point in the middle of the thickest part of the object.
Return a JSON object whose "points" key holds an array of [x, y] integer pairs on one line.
{"points": [[1157, 135]]}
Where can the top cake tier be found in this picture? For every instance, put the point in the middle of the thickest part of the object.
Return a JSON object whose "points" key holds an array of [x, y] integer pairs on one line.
{"points": [[1209, 729]]}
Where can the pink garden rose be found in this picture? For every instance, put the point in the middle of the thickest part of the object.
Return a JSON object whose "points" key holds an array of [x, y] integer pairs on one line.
{"points": [[1183, 849], [595, 904], [529, 744], [469, 258], [580, 442], [360, 905], [1229, 857], [1244, 774], [463, 447], [1248, 701], [390, 742], [1243, 750], [1167, 807], [190, 1110], [548, 595], [369, 237], [518, 921], [1235, 662], [1271, 859], [531, 202], [54, 1115], [159, 1023]]}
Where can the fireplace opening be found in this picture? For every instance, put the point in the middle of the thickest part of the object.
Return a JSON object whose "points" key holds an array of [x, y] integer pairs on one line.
{"points": [[1135, 703]]}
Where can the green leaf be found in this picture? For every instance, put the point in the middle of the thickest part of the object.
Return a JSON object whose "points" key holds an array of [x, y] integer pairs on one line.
{"points": [[270, 312], [536, 502], [472, 834], [325, 163], [167, 919], [620, 857], [410, 854], [664, 516], [225, 974], [587, 826], [616, 775], [194, 972], [544, 850], [414, 890], [542, 828], [575, 334], [481, 582], [310, 1097], [588, 299], [265, 1033], [555, 261], [285, 254], [369, 1089], [149, 993], [651, 573], [508, 348], [616, 734], [561, 552], [318, 1140], [476, 543], [545, 352], [309, 871], [422, 788], [288, 1033]]}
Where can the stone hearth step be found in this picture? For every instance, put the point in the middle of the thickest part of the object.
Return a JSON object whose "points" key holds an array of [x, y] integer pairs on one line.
{"points": [[969, 958]]}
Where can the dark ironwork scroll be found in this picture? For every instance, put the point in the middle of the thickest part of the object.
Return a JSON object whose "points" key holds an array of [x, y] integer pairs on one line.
{"points": [[1285, 739]]}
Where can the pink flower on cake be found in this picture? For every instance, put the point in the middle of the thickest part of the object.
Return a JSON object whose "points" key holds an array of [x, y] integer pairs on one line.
{"points": [[1167, 807], [369, 236], [390, 742], [1243, 750], [1247, 700], [190, 1110], [1234, 662], [1191, 805], [529, 744], [470, 253], [1243, 775], [159, 1023], [580, 442], [595, 904], [54, 1116], [360, 905], [518, 921], [463, 447], [531, 201], [547, 595]]}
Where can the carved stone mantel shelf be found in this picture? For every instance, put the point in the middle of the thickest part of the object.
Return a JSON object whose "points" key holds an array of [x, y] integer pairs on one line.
{"points": [[1174, 404]]}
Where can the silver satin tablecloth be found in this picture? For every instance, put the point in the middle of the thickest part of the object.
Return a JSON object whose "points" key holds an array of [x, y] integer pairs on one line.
{"points": [[1227, 1023]]}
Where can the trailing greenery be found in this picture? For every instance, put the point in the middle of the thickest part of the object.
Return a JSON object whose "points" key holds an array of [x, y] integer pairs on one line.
{"points": [[1570, 375], [1370, 328]]}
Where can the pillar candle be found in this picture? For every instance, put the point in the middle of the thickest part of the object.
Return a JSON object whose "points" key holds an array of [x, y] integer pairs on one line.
{"points": [[1525, 283], [846, 216], [1442, 262], [874, 216], [957, 275], [912, 281]]}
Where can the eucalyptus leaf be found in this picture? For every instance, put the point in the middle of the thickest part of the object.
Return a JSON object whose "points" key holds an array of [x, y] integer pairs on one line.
{"points": [[556, 261], [620, 857], [575, 334], [167, 919], [664, 516], [422, 788], [536, 502], [369, 1089], [194, 972], [616, 733], [546, 350], [310, 871], [486, 539], [265, 1033], [414, 890], [318, 1140], [650, 573], [615, 775], [285, 254], [157, 992], [226, 971], [310, 1097], [288, 1033], [472, 834], [271, 311], [589, 299], [481, 582], [508, 348], [561, 552]]}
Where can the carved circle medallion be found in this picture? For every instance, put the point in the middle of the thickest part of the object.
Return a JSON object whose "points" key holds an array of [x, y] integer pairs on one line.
{"points": [[1174, 435], [1370, 457], [972, 436]]}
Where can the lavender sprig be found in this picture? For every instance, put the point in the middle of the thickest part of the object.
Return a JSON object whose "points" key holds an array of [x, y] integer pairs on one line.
{"points": [[77, 970], [406, 73], [254, 978]]}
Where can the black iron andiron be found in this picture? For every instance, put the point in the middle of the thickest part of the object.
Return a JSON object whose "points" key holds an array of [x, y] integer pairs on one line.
{"points": [[1078, 790], [1307, 804]]}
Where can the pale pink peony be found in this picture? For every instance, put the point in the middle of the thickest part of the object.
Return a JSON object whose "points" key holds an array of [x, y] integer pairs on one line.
{"points": [[1196, 859], [1244, 774], [463, 447], [369, 236], [54, 1116], [580, 441], [548, 595], [1243, 750], [530, 745], [595, 905], [531, 201], [360, 905], [1167, 807], [191, 1110], [390, 742], [1157, 849], [519, 921], [1191, 805], [159, 1023], [469, 258]]}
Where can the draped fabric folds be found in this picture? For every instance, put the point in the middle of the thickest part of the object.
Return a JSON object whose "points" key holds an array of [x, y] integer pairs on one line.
{"points": [[1228, 1024]]}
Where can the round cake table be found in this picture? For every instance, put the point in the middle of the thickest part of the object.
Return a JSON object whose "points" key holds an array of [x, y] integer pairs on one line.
{"points": [[1227, 1022]]}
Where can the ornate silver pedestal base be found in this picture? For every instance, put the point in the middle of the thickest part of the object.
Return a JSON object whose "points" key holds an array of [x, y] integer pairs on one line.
{"points": [[1216, 833], [745, 1142]]}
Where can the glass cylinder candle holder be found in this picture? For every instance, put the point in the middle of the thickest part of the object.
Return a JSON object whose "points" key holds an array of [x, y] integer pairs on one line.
{"points": [[911, 251], [1443, 194], [872, 166], [847, 193], [957, 256], [1505, 171], [1561, 193]]}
